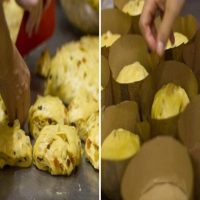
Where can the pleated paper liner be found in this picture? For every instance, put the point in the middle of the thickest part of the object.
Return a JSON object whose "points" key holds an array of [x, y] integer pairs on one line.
{"points": [[106, 92], [116, 22], [126, 50], [189, 132], [166, 72], [119, 4], [124, 115], [191, 56], [186, 25], [162, 169]]}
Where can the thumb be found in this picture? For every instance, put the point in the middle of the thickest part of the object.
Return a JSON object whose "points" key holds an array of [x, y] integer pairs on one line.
{"points": [[172, 10]]}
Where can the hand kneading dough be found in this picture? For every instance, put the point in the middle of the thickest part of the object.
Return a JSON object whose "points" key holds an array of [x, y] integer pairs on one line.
{"points": [[46, 110], [13, 14], [75, 67], [120, 144], [57, 149], [179, 39], [132, 73], [108, 38], [80, 109], [92, 142], [15, 146], [133, 8], [169, 101]]}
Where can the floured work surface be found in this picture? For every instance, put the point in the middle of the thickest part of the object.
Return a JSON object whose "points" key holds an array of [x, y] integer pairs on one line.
{"points": [[31, 183]]}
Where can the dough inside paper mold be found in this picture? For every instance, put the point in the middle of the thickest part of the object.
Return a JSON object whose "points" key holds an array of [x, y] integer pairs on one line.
{"points": [[166, 72], [127, 50], [124, 115]]}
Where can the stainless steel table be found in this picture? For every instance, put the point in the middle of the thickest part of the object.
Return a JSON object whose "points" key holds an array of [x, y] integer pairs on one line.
{"points": [[31, 183]]}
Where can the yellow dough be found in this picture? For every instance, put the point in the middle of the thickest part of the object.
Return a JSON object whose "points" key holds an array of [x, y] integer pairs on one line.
{"points": [[120, 144], [43, 64], [15, 146], [3, 112], [108, 38], [13, 15], [45, 111], [132, 73], [179, 39], [133, 8], [169, 101], [92, 142], [80, 109], [57, 149], [75, 67]]}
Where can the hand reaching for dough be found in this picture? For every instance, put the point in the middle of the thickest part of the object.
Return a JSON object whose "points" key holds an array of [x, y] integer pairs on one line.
{"points": [[35, 9], [169, 11], [15, 89]]}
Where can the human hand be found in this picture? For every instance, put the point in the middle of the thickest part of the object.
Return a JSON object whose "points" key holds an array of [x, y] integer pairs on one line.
{"points": [[169, 11], [15, 89], [35, 9]]}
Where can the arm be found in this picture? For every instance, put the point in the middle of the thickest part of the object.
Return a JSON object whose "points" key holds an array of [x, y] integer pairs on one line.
{"points": [[14, 76], [169, 11]]}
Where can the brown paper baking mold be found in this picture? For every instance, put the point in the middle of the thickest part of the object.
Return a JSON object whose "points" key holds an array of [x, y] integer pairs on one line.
{"points": [[119, 4], [106, 92], [126, 50], [186, 25], [123, 115], [162, 160], [115, 21], [166, 72]]}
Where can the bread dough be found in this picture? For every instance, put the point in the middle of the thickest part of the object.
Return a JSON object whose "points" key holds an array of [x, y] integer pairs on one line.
{"points": [[133, 8], [80, 109], [169, 101], [120, 144], [179, 39], [43, 64], [92, 142], [13, 15], [132, 73], [46, 110], [57, 149], [15, 146], [75, 67], [108, 38]]}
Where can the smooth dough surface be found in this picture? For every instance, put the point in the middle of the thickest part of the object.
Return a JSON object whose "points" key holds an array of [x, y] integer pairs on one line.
{"points": [[13, 15], [179, 39], [45, 111], [132, 73], [75, 67], [120, 144], [108, 38], [92, 142], [133, 8], [80, 109], [15, 146], [57, 149], [169, 101]]}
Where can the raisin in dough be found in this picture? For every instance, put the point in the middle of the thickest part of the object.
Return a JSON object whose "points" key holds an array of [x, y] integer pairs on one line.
{"points": [[92, 142], [79, 111], [15, 146], [57, 149], [46, 110], [74, 67]]}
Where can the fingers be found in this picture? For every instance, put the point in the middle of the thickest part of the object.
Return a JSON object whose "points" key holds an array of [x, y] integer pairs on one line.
{"points": [[39, 16], [172, 10]]}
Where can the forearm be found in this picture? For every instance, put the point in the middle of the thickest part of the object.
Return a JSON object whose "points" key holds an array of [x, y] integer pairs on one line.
{"points": [[6, 49]]}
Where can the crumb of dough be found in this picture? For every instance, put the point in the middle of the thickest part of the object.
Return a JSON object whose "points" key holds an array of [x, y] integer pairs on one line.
{"points": [[108, 38], [133, 8]]}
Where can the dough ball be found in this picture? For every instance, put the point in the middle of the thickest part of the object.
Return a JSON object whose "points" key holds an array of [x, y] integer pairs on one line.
{"points": [[57, 149], [169, 101], [45, 111], [15, 146], [132, 73], [120, 144]]}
